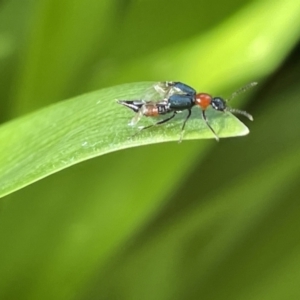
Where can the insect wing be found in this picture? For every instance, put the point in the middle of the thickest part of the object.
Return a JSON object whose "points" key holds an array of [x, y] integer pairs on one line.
{"points": [[168, 88], [182, 88]]}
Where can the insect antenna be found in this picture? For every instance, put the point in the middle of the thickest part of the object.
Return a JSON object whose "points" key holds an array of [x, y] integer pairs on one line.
{"points": [[240, 112], [239, 91], [242, 90]]}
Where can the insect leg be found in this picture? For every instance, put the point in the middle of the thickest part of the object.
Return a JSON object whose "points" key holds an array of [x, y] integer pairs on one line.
{"points": [[206, 121], [157, 123], [183, 125], [160, 122]]}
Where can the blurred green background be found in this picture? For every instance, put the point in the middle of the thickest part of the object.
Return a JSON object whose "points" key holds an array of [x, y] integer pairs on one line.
{"points": [[199, 220]]}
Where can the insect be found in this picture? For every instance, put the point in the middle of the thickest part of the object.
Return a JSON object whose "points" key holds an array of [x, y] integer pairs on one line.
{"points": [[177, 97]]}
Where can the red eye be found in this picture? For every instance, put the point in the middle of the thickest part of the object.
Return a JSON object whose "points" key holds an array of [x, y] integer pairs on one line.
{"points": [[203, 100]]}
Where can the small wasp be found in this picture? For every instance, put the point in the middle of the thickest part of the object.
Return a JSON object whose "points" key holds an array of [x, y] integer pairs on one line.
{"points": [[176, 97]]}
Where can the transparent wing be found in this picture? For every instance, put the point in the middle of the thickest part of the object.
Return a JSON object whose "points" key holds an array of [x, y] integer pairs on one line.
{"points": [[169, 88]]}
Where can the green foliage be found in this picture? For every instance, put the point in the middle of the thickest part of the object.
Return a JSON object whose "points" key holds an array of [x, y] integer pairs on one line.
{"points": [[82, 128], [196, 220]]}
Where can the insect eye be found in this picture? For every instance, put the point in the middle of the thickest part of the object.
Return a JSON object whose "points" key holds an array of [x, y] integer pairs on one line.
{"points": [[218, 104]]}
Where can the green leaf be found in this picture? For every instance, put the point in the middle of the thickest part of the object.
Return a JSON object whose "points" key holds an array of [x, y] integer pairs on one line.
{"points": [[67, 133], [196, 220]]}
